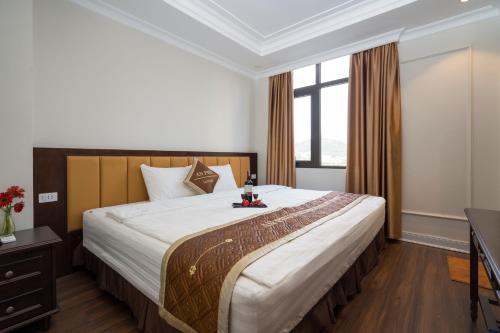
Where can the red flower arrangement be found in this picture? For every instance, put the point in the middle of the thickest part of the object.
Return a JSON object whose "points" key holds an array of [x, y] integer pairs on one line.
{"points": [[7, 203], [8, 197]]}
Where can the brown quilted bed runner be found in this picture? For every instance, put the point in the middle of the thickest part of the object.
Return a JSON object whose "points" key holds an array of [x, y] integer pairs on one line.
{"points": [[199, 271]]}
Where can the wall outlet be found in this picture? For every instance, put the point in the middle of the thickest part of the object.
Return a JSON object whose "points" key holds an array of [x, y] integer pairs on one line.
{"points": [[253, 176], [47, 197]]}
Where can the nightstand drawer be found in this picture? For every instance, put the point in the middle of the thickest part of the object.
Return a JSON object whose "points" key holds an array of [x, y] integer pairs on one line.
{"points": [[17, 265], [21, 307], [27, 279], [21, 285]]}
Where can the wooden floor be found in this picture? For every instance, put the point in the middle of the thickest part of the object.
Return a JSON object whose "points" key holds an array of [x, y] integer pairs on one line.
{"points": [[409, 291]]}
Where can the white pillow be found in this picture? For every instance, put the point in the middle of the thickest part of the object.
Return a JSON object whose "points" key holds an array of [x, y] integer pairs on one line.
{"points": [[166, 183], [226, 180]]}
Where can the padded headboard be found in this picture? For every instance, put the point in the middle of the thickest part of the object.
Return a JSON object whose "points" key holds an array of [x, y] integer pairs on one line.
{"points": [[90, 178], [101, 181]]}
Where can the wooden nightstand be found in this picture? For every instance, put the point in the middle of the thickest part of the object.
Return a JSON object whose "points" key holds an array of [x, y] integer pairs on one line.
{"points": [[27, 279]]}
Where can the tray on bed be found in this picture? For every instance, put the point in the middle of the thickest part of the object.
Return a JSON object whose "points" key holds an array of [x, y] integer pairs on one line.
{"points": [[239, 205]]}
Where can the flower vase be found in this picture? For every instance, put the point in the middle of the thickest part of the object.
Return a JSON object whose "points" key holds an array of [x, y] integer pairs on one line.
{"points": [[8, 226]]}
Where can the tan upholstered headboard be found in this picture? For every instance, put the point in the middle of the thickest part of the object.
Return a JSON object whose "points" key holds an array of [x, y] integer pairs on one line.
{"points": [[107, 176], [101, 181]]}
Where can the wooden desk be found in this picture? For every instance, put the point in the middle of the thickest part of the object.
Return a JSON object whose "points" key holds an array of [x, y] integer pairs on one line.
{"points": [[484, 244]]}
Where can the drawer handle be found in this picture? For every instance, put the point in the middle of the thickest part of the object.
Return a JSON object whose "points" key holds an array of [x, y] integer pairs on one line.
{"points": [[9, 274], [9, 310]]}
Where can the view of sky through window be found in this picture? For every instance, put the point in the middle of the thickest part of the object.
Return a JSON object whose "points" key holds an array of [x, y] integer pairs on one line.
{"points": [[334, 125], [321, 102], [302, 128], [304, 76]]}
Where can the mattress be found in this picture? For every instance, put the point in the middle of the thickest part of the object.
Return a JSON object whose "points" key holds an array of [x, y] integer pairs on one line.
{"points": [[272, 294]]}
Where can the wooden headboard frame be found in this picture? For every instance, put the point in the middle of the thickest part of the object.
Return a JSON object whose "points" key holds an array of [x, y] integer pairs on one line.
{"points": [[50, 175]]}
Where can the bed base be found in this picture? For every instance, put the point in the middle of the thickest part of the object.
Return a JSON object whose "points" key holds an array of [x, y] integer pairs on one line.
{"points": [[321, 318]]}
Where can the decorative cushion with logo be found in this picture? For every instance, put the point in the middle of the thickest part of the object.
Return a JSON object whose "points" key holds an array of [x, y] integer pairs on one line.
{"points": [[201, 178]]}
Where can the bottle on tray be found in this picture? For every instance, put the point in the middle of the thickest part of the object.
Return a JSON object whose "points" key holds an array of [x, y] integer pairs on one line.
{"points": [[249, 187]]}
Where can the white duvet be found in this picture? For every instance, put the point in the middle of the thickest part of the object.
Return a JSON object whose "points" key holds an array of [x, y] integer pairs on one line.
{"points": [[274, 292]]}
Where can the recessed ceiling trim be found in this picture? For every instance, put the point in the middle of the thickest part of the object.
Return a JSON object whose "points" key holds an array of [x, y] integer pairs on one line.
{"points": [[368, 43], [289, 27], [336, 21], [392, 36], [116, 14], [225, 23], [237, 19], [222, 23], [451, 22], [134, 22]]}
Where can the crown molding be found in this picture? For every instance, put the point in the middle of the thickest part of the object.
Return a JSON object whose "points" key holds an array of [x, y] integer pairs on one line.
{"points": [[228, 25], [368, 43], [307, 20], [398, 35], [118, 15], [289, 27], [225, 24], [451, 22], [335, 21]]}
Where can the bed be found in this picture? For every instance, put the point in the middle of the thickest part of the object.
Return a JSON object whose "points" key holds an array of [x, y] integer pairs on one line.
{"points": [[295, 287], [275, 292]]}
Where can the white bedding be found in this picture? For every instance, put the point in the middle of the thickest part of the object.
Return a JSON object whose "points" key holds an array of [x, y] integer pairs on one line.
{"points": [[273, 293]]}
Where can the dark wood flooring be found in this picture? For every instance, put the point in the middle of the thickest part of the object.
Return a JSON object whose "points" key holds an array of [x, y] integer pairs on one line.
{"points": [[409, 291]]}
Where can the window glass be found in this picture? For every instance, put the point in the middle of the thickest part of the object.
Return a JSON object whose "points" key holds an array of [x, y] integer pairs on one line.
{"points": [[305, 76], [322, 106], [334, 125], [335, 69], [302, 128]]}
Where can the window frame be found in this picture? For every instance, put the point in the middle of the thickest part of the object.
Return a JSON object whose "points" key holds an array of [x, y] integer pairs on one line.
{"points": [[315, 92]]}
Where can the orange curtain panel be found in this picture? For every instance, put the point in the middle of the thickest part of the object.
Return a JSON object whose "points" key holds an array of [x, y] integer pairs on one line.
{"points": [[280, 144], [374, 130]]}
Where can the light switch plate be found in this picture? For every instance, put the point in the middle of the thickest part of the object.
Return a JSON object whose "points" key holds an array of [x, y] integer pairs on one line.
{"points": [[253, 176], [47, 197]]}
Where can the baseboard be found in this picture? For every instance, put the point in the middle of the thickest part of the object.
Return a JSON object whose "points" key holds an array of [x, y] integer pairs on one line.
{"points": [[436, 241]]}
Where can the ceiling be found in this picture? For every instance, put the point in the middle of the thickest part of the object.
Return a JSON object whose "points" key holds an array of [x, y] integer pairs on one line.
{"points": [[268, 18], [264, 37]]}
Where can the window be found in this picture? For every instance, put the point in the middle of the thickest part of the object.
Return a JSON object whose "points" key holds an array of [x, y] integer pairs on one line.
{"points": [[302, 127], [304, 76], [320, 114]]}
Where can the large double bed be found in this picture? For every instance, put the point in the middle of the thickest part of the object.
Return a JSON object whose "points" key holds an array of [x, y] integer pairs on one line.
{"points": [[273, 293], [295, 287]]}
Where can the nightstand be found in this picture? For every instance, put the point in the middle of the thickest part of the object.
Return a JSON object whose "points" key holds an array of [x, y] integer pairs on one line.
{"points": [[27, 279]]}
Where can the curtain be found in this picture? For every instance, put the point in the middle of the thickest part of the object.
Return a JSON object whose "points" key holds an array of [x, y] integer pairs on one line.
{"points": [[374, 130], [280, 145]]}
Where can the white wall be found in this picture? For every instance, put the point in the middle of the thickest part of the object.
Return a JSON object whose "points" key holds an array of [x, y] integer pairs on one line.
{"points": [[16, 102], [101, 84], [97, 83], [439, 199], [436, 140], [451, 81], [73, 78], [321, 179], [259, 128]]}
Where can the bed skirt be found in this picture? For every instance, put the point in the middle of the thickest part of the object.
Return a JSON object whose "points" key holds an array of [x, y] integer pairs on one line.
{"points": [[320, 318]]}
